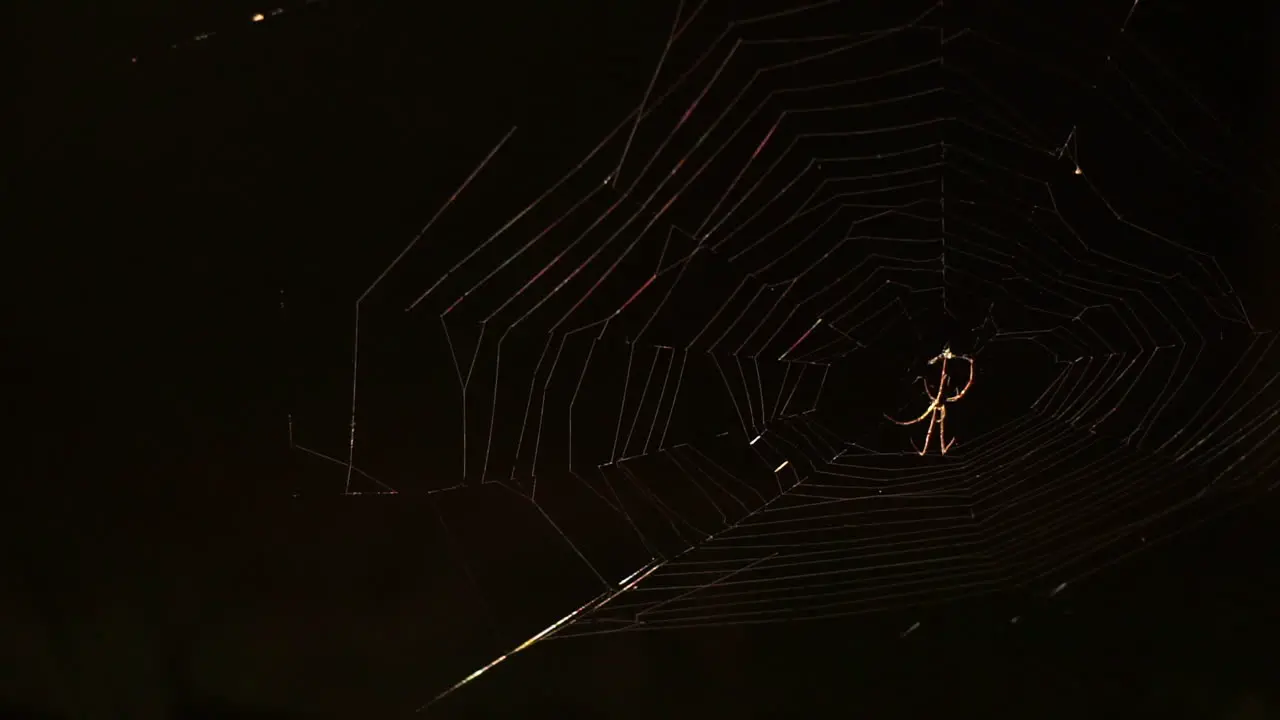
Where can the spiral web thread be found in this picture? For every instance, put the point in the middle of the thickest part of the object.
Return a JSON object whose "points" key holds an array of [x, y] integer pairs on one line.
{"points": [[790, 197]]}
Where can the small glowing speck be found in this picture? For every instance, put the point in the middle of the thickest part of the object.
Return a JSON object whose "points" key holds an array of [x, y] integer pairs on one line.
{"points": [[258, 17]]}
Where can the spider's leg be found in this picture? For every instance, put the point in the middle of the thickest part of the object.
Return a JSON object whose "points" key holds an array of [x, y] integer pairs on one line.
{"points": [[923, 415], [942, 431], [929, 435]]}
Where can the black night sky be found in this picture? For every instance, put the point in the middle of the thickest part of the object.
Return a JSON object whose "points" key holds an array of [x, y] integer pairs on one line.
{"points": [[196, 218]]}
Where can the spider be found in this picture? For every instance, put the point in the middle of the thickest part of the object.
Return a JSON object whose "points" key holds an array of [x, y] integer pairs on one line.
{"points": [[937, 410]]}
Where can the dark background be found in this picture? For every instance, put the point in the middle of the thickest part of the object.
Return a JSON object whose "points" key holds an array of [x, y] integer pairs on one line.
{"points": [[163, 567]]}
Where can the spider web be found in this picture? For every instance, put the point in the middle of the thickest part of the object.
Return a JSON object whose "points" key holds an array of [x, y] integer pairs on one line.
{"points": [[698, 330]]}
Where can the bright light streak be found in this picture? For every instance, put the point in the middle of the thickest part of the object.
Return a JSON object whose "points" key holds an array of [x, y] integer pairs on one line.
{"points": [[755, 440], [779, 468], [795, 344], [599, 601]]}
